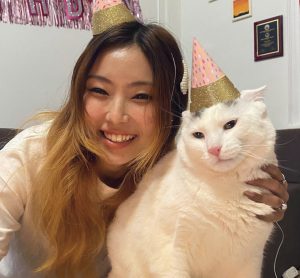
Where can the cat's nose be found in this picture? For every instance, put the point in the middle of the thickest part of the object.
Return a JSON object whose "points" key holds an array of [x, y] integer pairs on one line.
{"points": [[215, 150]]}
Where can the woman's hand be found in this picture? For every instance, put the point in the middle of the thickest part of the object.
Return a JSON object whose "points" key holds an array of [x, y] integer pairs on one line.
{"points": [[276, 198]]}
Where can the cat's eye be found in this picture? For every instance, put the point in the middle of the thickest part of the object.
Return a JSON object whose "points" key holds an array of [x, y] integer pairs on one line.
{"points": [[198, 135], [230, 124]]}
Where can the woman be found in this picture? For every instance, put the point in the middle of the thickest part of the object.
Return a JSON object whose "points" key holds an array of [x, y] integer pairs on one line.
{"points": [[61, 182]]}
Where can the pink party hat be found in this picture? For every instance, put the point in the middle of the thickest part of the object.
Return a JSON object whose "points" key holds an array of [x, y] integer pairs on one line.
{"points": [[107, 13], [209, 84]]}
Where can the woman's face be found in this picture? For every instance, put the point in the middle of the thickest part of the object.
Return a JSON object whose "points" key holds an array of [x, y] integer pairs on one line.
{"points": [[119, 106]]}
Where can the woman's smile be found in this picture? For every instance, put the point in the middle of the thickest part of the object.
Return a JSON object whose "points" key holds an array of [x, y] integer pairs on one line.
{"points": [[116, 140]]}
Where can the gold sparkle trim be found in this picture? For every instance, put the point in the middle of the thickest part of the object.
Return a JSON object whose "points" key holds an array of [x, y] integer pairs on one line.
{"points": [[103, 19], [218, 91]]}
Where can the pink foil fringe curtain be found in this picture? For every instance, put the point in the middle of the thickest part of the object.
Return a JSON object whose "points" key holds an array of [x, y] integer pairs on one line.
{"points": [[74, 14]]}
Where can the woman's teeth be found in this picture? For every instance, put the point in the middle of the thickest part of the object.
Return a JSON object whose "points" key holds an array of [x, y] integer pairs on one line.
{"points": [[118, 137]]}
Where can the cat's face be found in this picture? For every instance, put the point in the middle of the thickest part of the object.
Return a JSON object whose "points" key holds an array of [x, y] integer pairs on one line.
{"points": [[222, 136]]}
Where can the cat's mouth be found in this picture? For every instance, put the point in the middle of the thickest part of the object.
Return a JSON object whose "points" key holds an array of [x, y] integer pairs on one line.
{"points": [[224, 164], [224, 159], [217, 159]]}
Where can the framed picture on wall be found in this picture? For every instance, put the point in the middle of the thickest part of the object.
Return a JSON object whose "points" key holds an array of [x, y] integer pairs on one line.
{"points": [[241, 9], [268, 38]]}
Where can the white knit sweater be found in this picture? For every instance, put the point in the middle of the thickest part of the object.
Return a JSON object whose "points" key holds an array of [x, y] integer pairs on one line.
{"points": [[21, 246]]}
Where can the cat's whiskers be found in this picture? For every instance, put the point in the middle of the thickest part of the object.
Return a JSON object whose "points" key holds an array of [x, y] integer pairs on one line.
{"points": [[256, 145], [287, 168], [252, 155], [230, 151], [170, 113], [170, 126], [285, 143]]}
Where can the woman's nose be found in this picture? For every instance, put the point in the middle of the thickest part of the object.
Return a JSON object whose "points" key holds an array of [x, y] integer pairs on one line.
{"points": [[116, 111]]}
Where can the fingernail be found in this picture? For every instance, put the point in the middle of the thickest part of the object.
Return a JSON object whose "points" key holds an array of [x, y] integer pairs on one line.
{"points": [[250, 182], [264, 167], [250, 194]]}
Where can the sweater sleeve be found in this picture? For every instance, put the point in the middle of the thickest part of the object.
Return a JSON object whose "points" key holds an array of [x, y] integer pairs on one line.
{"points": [[11, 210], [14, 184], [20, 160]]}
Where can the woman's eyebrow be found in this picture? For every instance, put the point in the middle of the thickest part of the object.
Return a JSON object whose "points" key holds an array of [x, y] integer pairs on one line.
{"points": [[100, 78], [132, 84], [141, 83]]}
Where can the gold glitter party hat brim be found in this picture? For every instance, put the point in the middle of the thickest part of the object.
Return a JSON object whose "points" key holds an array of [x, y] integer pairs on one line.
{"points": [[209, 84], [107, 13]]}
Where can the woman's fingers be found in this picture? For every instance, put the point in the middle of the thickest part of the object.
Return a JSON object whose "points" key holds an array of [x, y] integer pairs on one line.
{"points": [[275, 173], [265, 198], [274, 186], [277, 195], [271, 200]]}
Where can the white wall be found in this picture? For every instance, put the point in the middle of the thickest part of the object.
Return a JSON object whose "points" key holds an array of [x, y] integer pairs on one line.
{"points": [[36, 62], [35, 69], [231, 45], [165, 12]]}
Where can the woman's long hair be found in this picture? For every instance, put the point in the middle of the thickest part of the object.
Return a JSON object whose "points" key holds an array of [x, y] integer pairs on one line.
{"points": [[67, 205]]}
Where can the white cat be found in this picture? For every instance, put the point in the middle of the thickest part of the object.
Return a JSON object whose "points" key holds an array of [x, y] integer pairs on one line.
{"points": [[189, 217]]}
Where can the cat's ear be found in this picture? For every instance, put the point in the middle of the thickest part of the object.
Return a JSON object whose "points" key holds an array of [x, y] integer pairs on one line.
{"points": [[254, 95], [186, 115]]}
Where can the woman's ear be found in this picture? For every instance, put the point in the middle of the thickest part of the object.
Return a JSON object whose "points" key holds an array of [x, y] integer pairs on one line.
{"points": [[254, 95]]}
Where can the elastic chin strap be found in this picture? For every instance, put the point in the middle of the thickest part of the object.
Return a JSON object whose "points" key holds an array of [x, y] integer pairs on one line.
{"points": [[184, 84], [175, 72]]}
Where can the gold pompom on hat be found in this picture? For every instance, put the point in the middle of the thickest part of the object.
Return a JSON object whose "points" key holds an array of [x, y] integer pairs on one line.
{"points": [[209, 84], [107, 13]]}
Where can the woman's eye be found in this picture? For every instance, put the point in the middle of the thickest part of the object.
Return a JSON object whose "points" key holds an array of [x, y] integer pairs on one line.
{"points": [[143, 96], [98, 91], [198, 135], [230, 124]]}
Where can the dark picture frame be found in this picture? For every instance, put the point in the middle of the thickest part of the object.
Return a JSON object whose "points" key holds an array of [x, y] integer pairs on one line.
{"points": [[268, 38]]}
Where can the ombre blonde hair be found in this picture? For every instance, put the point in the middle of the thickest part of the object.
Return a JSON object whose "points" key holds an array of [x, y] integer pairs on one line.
{"points": [[67, 205]]}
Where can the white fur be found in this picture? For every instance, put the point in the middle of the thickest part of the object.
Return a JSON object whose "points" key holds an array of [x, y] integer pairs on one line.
{"points": [[189, 217]]}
